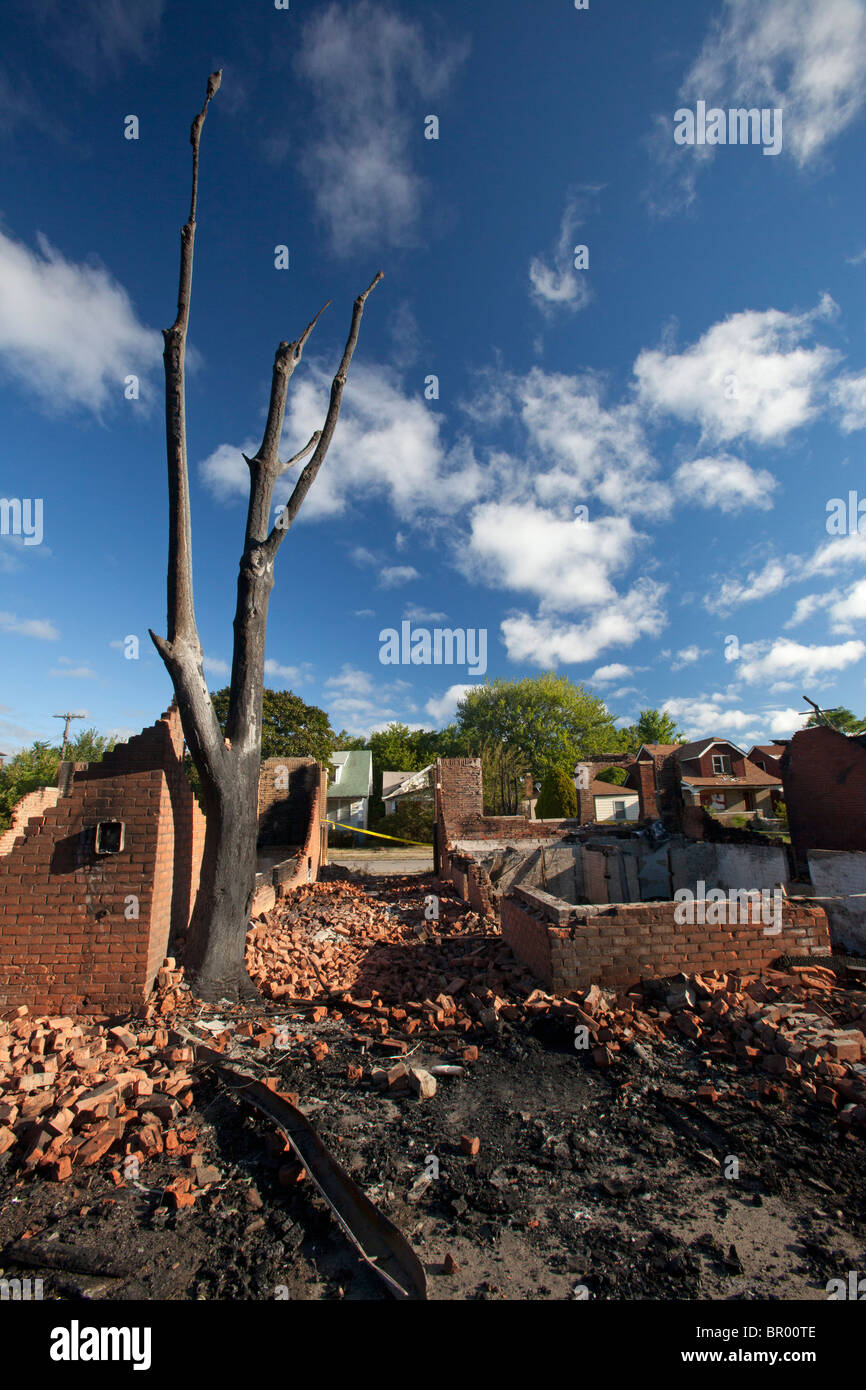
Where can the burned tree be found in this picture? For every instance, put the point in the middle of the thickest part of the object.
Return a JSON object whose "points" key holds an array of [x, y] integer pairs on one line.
{"points": [[229, 765]]}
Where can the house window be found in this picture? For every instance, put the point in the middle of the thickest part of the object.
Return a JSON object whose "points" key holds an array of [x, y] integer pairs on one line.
{"points": [[721, 765], [619, 810]]}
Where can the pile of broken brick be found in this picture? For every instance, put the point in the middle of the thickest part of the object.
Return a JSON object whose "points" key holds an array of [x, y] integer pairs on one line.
{"points": [[335, 962], [74, 1090], [397, 978], [796, 1027]]}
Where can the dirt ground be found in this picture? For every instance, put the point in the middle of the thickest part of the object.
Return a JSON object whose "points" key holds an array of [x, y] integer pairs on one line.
{"points": [[611, 1184]]}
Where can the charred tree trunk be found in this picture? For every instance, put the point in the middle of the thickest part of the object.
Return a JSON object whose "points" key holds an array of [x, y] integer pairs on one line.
{"points": [[229, 765]]}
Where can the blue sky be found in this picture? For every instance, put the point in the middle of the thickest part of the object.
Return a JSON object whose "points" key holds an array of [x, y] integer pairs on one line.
{"points": [[699, 388]]}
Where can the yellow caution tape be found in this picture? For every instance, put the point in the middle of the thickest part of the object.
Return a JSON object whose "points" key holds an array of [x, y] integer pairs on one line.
{"points": [[358, 831]]}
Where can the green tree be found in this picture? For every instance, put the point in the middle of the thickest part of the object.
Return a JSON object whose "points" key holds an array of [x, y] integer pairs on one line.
{"points": [[290, 728], [503, 777], [558, 796], [548, 719], [412, 820], [652, 727], [37, 766], [615, 775], [840, 718]]}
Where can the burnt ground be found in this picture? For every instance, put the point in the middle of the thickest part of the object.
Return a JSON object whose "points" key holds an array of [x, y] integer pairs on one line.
{"points": [[603, 1184]]}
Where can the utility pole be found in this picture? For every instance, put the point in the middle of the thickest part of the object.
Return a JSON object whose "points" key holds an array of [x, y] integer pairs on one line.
{"points": [[68, 717]]}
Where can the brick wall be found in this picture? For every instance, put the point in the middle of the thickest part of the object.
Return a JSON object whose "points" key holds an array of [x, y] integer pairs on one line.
{"points": [[472, 882], [824, 776], [285, 788], [69, 936], [642, 777], [30, 806], [302, 867], [572, 948]]}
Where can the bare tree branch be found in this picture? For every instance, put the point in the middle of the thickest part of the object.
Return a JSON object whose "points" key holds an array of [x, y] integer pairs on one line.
{"points": [[302, 453], [181, 616], [308, 475]]}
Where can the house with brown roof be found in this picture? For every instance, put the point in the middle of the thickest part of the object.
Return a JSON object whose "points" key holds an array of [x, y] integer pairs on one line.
{"points": [[710, 772], [768, 756]]}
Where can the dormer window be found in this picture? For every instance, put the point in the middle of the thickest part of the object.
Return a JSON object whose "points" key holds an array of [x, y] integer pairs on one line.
{"points": [[721, 765]]}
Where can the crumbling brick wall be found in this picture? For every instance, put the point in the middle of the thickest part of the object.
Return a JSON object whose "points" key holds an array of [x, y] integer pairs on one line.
{"points": [[286, 786], [80, 930], [571, 948], [303, 866], [460, 813], [473, 883], [30, 806], [824, 776]]}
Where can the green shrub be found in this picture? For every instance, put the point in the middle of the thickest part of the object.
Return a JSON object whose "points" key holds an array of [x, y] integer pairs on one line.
{"points": [[412, 819], [557, 799]]}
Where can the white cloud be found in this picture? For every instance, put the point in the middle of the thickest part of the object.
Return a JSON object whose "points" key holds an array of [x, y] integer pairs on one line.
{"points": [[833, 555], [98, 36], [567, 564], [606, 674], [786, 658], [76, 673], [810, 604], [295, 674], [392, 576], [848, 394], [387, 445], [351, 681], [41, 628], [416, 614], [371, 73], [444, 708], [759, 584], [711, 716], [214, 666], [808, 59], [560, 285], [69, 332], [595, 451], [748, 376], [850, 609], [724, 482], [620, 622], [687, 656]]}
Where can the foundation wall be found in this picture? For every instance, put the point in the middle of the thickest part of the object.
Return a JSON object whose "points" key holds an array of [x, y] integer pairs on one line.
{"points": [[572, 948], [82, 930]]}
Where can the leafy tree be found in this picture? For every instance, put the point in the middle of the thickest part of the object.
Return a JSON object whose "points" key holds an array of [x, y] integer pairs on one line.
{"points": [[37, 766], [503, 776], [412, 819], [548, 719], [347, 743], [615, 775], [290, 728], [558, 796], [840, 718], [652, 727]]}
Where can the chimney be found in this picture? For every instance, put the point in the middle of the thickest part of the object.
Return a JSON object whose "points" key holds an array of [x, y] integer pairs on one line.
{"points": [[644, 774]]}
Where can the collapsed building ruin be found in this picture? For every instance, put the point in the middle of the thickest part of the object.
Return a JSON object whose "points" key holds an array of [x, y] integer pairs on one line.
{"points": [[98, 873], [582, 904]]}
